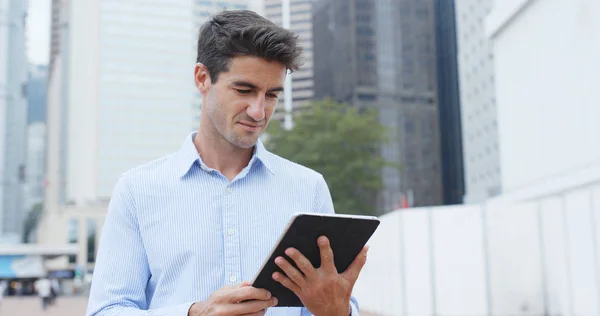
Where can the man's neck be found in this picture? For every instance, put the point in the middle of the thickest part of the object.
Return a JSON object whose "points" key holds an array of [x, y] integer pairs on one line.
{"points": [[217, 153]]}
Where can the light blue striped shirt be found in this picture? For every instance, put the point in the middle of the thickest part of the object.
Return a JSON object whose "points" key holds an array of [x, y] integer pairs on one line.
{"points": [[176, 230]]}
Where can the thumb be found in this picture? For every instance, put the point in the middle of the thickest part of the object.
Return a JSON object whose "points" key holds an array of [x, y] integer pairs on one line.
{"points": [[244, 283]]}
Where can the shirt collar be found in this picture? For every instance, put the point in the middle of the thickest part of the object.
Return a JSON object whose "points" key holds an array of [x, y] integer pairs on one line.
{"points": [[188, 155]]}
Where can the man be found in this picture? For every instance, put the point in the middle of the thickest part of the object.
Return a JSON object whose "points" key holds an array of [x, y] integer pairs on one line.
{"points": [[185, 233]]}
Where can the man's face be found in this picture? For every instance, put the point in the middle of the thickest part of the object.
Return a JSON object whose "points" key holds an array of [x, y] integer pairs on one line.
{"points": [[241, 103]]}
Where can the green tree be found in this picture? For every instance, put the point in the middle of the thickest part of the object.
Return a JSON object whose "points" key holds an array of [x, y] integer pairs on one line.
{"points": [[31, 221], [342, 143]]}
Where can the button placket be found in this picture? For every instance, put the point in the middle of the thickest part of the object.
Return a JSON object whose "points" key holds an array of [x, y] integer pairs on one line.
{"points": [[231, 242]]}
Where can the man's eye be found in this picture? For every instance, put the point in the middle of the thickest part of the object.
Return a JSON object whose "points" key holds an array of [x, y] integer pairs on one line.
{"points": [[244, 91], [272, 96]]}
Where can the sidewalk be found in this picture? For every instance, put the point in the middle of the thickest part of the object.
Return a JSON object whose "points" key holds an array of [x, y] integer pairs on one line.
{"points": [[65, 306], [32, 306]]}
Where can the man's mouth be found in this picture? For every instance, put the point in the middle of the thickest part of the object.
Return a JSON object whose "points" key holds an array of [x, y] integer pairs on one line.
{"points": [[251, 126]]}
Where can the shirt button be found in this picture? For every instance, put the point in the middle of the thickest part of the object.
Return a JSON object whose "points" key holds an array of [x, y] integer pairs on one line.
{"points": [[232, 278], [230, 231], [229, 190]]}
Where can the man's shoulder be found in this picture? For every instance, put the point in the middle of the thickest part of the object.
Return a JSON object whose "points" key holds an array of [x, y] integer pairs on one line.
{"points": [[154, 170], [293, 169]]}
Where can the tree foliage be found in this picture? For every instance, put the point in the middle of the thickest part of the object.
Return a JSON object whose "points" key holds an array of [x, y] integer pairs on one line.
{"points": [[342, 143]]}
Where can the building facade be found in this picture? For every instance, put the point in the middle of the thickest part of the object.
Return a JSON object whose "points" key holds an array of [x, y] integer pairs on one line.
{"points": [[382, 54], [481, 149], [123, 90], [545, 61], [36, 136], [13, 115]]}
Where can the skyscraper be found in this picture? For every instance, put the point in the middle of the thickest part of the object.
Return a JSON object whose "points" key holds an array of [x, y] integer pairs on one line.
{"points": [[478, 101], [120, 91], [382, 54], [13, 115], [36, 135]]}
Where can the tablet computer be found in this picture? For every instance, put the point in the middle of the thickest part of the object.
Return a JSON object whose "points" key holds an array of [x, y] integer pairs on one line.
{"points": [[347, 235]]}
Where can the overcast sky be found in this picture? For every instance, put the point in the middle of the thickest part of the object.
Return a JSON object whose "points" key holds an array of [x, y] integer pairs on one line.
{"points": [[38, 31]]}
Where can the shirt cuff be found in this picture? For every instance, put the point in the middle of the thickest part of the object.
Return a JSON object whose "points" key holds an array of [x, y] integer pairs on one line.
{"points": [[353, 310]]}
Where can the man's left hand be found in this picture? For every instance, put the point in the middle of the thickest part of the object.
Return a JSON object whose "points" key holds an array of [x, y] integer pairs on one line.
{"points": [[323, 290]]}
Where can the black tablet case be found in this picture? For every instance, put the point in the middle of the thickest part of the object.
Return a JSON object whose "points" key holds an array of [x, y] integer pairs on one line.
{"points": [[347, 237]]}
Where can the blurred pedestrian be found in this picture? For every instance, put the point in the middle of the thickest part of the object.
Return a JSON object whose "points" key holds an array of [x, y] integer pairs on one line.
{"points": [[3, 287], [43, 287], [55, 290]]}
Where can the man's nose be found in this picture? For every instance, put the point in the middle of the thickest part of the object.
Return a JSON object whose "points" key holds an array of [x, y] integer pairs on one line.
{"points": [[256, 109]]}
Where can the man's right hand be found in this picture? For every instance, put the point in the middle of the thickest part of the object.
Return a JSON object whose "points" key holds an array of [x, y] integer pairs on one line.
{"points": [[242, 299]]}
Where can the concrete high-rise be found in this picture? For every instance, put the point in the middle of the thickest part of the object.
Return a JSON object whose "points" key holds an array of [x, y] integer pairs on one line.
{"points": [[382, 54], [13, 115], [120, 91], [36, 136], [478, 101]]}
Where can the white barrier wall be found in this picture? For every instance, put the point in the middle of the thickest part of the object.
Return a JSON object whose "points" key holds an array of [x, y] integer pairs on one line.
{"points": [[540, 257]]}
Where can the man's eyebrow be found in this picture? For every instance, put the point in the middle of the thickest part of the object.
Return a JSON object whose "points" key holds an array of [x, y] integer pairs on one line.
{"points": [[249, 85], [244, 84]]}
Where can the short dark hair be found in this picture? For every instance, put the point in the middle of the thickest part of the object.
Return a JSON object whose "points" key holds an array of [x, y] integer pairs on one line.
{"points": [[243, 32]]}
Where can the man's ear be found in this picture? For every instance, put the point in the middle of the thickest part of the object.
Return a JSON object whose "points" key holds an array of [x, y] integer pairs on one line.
{"points": [[202, 78]]}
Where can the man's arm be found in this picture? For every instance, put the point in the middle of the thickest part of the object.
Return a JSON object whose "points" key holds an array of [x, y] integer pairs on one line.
{"points": [[324, 204], [122, 272]]}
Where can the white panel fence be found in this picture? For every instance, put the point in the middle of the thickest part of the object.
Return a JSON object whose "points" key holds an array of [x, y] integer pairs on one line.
{"points": [[539, 257]]}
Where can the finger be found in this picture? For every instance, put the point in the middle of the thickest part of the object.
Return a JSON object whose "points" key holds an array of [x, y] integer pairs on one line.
{"points": [[247, 293], [291, 272], [351, 274], [303, 264], [327, 262], [249, 307], [285, 281]]}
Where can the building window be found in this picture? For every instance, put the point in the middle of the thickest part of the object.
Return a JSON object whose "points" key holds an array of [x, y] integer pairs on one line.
{"points": [[273, 5]]}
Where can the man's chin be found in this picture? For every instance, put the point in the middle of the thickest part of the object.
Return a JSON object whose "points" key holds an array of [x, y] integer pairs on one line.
{"points": [[245, 142]]}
